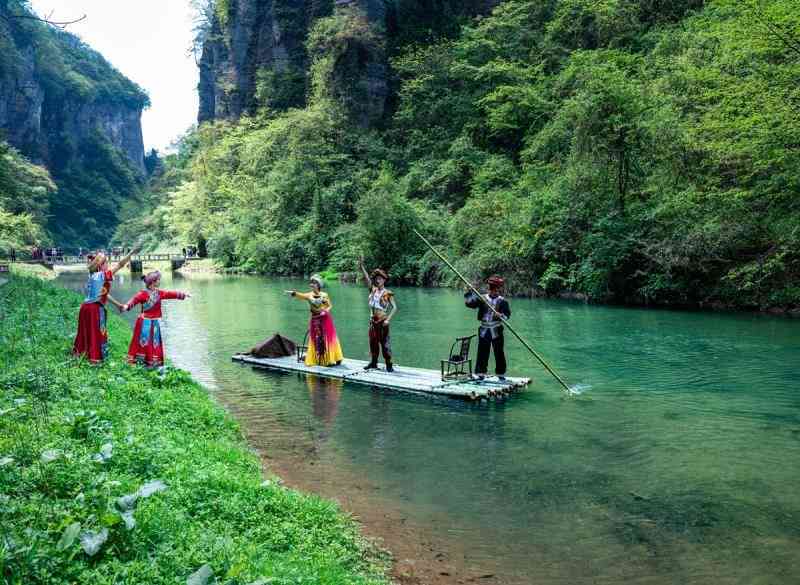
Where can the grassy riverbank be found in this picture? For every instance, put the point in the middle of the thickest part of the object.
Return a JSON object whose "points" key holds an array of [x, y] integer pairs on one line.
{"points": [[114, 474], [36, 270]]}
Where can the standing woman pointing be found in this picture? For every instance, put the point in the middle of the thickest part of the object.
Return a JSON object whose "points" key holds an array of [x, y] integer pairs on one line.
{"points": [[147, 346], [323, 343]]}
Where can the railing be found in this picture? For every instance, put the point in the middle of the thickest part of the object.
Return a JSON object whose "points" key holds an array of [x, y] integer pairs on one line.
{"points": [[68, 260]]}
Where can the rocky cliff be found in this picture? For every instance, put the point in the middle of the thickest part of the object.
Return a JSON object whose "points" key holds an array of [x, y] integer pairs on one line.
{"points": [[64, 106], [257, 52]]}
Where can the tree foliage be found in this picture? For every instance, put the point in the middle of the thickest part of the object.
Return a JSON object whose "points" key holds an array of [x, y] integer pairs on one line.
{"points": [[25, 195]]}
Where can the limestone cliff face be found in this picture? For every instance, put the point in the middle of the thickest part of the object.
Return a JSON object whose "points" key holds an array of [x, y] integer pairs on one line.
{"points": [[21, 100], [257, 36], [64, 106], [255, 54], [36, 114], [258, 55]]}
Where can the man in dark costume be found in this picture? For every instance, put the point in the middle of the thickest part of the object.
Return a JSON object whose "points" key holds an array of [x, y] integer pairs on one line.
{"points": [[490, 332]]}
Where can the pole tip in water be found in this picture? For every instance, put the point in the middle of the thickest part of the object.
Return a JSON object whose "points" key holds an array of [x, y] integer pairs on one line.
{"points": [[578, 389]]}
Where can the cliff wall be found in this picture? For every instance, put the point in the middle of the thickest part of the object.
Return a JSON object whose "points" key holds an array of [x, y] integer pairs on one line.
{"points": [[256, 52], [64, 106]]}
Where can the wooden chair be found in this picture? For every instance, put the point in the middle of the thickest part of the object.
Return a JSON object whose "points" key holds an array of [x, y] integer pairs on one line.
{"points": [[459, 364]]}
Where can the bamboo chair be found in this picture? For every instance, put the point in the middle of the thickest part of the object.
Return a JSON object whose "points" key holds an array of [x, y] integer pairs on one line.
{"points": [[459, 364], [302, 349]]}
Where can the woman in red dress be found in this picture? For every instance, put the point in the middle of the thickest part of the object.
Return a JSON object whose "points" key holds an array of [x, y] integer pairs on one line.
{"points": [[91, 340], [146, 346]]}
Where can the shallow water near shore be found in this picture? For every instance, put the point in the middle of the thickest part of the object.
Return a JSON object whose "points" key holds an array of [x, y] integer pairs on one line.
{"points": [[677, 463]]}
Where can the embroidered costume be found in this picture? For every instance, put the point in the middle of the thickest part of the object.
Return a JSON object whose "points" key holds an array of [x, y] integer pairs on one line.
{"points": [[92, 337], [380, 301], [323, 343], [147, 345], [490, 331]]}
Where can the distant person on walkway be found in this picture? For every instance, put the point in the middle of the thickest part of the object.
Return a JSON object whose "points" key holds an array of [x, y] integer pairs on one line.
{"points": [[323, 343], [382, 306], [13, 255], [91, 340], [147, 345], [490, 332]]}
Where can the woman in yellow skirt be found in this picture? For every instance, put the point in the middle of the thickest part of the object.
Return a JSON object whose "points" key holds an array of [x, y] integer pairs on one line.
{"points": [[323, 343]]}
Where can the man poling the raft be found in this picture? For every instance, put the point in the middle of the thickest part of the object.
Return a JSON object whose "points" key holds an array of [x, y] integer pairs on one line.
{"points": [[498, 315], [490, 332]]}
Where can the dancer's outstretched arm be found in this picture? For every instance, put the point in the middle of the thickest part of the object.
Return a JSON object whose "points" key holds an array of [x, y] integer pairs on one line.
{"points": [[367, 279], [127, 258]]}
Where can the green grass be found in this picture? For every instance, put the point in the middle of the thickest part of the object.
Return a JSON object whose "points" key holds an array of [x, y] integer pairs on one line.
{"points": [[202, 265], [36, 270], [58, 415]]}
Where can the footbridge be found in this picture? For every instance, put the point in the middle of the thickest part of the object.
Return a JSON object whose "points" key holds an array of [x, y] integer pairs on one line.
{"points": [[136, 264]]}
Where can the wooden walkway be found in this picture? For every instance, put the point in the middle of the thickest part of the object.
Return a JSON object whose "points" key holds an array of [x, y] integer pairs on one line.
{"points": [[403, 379]]}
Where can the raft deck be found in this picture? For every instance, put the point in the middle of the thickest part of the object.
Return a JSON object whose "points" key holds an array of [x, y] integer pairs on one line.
{"points": [[403, 378]]}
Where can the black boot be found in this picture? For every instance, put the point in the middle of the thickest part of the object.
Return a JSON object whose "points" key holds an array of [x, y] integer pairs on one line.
{"points": [[389, 367], [371, 366]]}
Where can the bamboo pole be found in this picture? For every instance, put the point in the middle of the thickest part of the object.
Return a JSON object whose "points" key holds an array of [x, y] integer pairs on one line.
{"points": [[497, 314]]}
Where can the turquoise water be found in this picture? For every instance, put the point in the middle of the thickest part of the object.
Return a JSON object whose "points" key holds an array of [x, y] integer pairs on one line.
{"points": [[677, 464]]}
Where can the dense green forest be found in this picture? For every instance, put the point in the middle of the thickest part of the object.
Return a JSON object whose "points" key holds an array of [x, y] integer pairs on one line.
{"points": [[25, 195], [635, 151], [63, 105]]}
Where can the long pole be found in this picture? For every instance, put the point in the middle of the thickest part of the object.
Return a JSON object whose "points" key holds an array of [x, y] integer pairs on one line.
{"points": [[496, 312]]}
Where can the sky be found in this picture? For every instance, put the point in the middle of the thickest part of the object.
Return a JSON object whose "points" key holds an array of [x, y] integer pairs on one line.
{"points": [[148, 42]]}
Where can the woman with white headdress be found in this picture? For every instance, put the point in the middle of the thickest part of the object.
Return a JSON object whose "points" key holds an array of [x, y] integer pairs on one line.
{"points": [[323, 343], [91, 341]]}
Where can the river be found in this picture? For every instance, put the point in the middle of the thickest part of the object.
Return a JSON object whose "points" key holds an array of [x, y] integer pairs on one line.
{"points": [[679, 462]]}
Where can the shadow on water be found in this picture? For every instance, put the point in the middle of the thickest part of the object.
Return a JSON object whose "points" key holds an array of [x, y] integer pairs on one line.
{"points": [[677, 465]]}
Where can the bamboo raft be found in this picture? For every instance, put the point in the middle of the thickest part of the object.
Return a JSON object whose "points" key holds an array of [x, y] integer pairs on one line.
{"points": [[404, 379]]}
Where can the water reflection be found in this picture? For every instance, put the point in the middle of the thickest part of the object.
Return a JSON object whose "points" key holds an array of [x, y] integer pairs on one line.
{"points": [[325, 394]]}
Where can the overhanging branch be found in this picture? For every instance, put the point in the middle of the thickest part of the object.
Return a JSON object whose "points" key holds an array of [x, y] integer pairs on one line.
{"points": [[48, 20]]}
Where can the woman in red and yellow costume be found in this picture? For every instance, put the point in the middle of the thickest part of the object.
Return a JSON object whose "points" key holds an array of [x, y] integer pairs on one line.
{"points": [[323, 343], [91, 340]]}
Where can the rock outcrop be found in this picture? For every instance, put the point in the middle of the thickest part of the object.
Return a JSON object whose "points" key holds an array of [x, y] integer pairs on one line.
{"points": [[37, 112], [253, 37], [64, 106], [256, 54]]}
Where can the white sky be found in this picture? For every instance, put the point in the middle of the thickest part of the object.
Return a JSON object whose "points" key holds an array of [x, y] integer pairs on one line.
{"points": [[148, 42]]}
